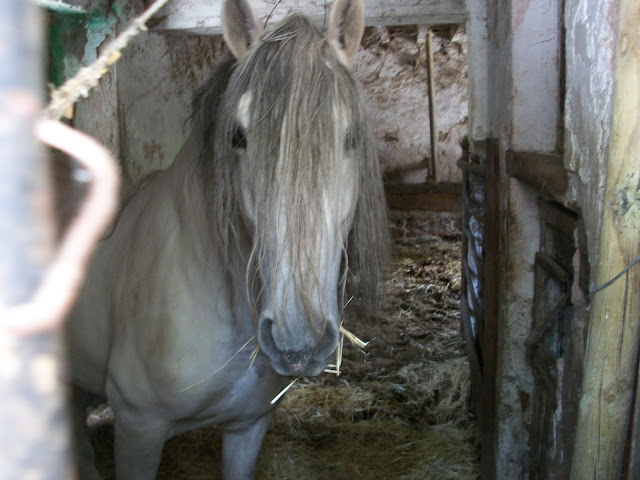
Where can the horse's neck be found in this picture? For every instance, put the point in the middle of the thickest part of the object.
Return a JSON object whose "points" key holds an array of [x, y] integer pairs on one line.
{"points": [[187, 156], [191, 203], [182, 182]]}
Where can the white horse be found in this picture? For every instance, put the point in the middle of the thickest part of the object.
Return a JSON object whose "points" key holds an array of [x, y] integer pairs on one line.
{"points": [[224, 274]]}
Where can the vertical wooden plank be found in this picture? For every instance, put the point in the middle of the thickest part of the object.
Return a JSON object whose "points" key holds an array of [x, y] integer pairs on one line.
{"points": [[34, 442], [631, 467], [612, 342], [493, 282], [433, 129]]}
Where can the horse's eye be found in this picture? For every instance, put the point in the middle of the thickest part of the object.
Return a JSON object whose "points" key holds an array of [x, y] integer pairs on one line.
{"points": [[239, 139]]}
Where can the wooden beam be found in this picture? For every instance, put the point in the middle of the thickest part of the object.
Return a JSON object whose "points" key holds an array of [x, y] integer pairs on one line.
{"points": [[475, 168], [559, 218], [424, 196], [433, 130], [493, 269], [542, 170], [203, 17], [611, 354]]}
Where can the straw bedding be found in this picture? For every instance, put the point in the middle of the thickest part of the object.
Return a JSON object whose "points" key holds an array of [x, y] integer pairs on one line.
{"points": [[400, 411]]}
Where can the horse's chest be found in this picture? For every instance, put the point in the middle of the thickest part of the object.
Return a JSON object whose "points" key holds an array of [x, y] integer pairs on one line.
{"points": [[246, 396]]}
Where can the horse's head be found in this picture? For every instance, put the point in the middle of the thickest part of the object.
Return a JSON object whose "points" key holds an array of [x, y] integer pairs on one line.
{"points": [[297, 179]]}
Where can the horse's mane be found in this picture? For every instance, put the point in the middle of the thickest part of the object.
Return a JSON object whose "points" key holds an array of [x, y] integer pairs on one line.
{"points": [[206, 100], [293, 65]]}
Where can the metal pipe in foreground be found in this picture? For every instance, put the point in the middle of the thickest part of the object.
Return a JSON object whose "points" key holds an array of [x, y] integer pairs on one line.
{"points": [[34, 440]]}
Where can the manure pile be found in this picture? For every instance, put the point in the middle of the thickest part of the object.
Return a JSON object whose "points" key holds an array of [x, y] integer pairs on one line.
{"points": [[400, 411]]}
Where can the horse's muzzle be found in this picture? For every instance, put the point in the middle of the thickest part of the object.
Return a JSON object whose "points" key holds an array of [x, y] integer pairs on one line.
{"points": [[296, 353]]}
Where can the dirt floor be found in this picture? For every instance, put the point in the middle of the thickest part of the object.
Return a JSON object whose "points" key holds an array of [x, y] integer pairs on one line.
{"points": [[397, 411]]}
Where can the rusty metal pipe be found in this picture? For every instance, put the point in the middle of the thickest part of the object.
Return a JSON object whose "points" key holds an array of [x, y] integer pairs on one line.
{"points": [[34, 438]]}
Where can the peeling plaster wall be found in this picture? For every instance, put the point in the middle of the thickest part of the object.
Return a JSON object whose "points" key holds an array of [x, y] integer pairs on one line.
{"points": [[158, 72], [477, 61], [536, 75], [156, 80], [524, 113], [534, 36], [395, 81], [140, 109], [515, 379], [510, 452]]}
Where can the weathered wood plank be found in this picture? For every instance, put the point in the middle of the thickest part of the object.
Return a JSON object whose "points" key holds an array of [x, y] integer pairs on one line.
{"points": [[543, 170], [203, 17], [471, 167], [559, 218], [493, 281], [614, 326], [424, 196]]}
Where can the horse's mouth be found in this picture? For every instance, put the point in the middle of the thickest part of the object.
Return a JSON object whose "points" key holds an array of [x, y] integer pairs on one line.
{"points": [[292, 357], [298, 364]]}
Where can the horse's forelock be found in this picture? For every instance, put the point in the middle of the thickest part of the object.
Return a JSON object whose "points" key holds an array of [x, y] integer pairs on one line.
{"points": [[299, 90]]}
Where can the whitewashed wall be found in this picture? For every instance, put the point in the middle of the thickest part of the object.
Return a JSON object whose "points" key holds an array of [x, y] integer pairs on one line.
{"points": [[524, 112], [152, 86], [394, 79]]}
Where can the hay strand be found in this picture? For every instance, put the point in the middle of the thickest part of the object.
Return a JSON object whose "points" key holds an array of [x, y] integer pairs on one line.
{"points": [[284, 390], [222, 367]]}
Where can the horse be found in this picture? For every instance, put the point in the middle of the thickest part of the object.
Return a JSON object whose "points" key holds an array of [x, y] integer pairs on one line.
{"points": [[226, 275]]}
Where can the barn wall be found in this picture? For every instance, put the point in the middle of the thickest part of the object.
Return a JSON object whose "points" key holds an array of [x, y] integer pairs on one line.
{"points": [[509, 424], [478, 57], [539, 104], [535, 69], [156, 80], [141, 111], [151, 88], [394, 79], [524, 113]]}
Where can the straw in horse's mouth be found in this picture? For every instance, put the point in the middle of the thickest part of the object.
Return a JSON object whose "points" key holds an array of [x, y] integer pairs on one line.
{"points": [[333, 368]]}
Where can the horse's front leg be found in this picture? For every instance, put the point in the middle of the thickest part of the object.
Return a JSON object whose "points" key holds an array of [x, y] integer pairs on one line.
{"points": [[138, 445], [240, 448], [83, 450]]}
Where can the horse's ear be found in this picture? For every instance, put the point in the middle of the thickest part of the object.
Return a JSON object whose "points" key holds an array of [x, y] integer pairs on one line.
{"points": [[346, 26], [240, 27]]}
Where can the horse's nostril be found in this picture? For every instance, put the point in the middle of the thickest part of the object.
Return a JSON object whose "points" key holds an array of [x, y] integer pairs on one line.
{"points": [[296, 351], [265, 337]]}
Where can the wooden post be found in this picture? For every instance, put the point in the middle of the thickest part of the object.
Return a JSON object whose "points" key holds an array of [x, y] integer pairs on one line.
{"points": [[614, 329], [493, 282], [433, 131]]}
